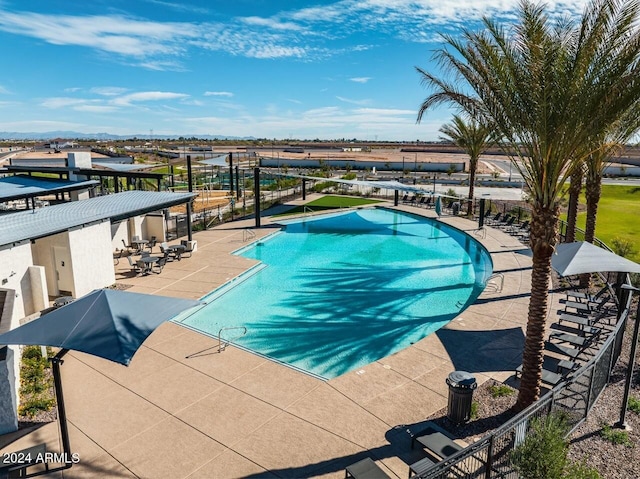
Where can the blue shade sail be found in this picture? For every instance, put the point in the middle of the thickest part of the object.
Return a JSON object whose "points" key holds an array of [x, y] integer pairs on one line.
{"points": [[108, 323]]}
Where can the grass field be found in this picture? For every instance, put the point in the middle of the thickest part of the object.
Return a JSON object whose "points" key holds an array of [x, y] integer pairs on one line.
{"points": [[330, 202], [618, 216]]}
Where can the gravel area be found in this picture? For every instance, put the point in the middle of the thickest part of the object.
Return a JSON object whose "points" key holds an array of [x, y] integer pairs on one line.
{"points": [[613, 461]]}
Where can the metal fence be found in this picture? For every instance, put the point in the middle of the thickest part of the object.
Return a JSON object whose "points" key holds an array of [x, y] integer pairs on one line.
{"points": [[490, 457]]}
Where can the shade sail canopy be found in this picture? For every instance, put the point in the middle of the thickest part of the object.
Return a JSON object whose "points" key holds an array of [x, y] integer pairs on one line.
{"points": [[217, 161], [582, 257], [108, 323]]}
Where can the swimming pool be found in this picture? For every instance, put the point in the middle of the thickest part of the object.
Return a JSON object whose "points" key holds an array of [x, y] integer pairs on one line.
{"points": [[336, 292]]}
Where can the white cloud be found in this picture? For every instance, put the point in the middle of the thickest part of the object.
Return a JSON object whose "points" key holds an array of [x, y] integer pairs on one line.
{"points": [[360, 79], [218, 93], [146, 96], [108, 90], [353, 102], [62, 102]]}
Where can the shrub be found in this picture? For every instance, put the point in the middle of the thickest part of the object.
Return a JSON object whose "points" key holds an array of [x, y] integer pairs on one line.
{"points": [[33, 406], [501, 390], [615, 436], [475, 407], [579, 470], [543, 454], [623, 247], [634, 404]]}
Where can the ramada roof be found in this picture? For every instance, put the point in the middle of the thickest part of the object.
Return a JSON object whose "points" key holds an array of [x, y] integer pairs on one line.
{"points": [[33, 224]]}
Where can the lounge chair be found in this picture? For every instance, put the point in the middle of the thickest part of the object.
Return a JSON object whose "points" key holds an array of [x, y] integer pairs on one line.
{"points": [[25, 458], [436, 442], [495, 219], [405, 198], [365, 469], [594, 301]]}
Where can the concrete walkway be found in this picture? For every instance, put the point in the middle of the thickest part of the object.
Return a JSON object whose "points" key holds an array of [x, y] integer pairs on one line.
{"points": [[183, 410]]}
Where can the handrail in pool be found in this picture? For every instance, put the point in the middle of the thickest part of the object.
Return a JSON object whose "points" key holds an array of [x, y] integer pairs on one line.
{"points": [[494, 285], [247, 234], [222, 346]]}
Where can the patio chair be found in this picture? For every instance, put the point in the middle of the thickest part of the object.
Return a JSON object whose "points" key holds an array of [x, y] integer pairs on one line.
{"points": [[158, 266], [127, 247], [24, 459], [365, 469], [135, 267], [152, 242], [187, 248]]}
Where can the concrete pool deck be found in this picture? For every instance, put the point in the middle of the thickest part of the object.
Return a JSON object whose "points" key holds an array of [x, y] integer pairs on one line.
{"points": [[183, 410]]}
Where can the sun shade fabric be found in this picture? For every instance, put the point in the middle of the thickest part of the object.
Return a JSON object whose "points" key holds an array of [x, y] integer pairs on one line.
{"points": [[217, 161], [124, 167], [111, 324], [582, 257]]}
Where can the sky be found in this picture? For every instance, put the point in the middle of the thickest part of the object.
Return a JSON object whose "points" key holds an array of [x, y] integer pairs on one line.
{"points": [[293, 69]]}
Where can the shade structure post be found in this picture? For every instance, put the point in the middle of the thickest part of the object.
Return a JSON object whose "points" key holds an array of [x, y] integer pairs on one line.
{"points": [[56, 361], [304, 189], [622, 424], [237, 182], [189, 178], [189, 229], [256, 194], [481, 218], [396, 195], [231, 174]]}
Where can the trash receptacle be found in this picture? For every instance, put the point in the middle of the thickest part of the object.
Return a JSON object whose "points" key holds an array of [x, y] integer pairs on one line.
{"points": [[455, 208], [461, 386]]}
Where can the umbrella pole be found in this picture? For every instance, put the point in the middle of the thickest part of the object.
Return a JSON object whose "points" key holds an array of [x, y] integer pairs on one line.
{"points": [[56, 361]]}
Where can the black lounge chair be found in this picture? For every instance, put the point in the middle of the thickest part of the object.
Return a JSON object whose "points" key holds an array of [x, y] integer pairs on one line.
{"points": [[15, 464], [405, 198], [365, 469]]}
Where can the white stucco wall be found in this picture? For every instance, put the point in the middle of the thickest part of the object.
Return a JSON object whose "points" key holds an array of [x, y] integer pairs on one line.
{"points": [[16, 262], [14, 268], [92, 256], [154, 225], [43, 256], [119, 232]]}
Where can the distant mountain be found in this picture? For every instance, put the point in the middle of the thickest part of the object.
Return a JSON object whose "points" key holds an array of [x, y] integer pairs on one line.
{"points": [[74, 135]]}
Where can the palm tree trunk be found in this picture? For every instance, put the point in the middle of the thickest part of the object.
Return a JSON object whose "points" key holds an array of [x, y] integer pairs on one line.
{"points": [[572, 209], [473, 165], [543, 237], [593, 190]]}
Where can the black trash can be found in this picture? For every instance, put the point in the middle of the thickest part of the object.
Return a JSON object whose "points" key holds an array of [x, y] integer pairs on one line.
{"points": [[461, 387]]}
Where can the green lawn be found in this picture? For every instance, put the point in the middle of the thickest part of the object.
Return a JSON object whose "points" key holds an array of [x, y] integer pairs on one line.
{"points": [[330, 202], [618, 215]]}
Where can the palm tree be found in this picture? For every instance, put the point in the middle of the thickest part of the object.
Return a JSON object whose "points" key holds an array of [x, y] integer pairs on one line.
{"points": [[575, 187], [548, 87], [474, 138]]}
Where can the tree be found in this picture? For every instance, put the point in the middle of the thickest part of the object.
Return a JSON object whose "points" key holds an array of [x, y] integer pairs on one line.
{"points": [[474, 138], [575, 187], [548, 87]]}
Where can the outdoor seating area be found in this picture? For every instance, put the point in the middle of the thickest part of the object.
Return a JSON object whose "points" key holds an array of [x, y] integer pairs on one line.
{"points": [[146, 262], [577, 333]]}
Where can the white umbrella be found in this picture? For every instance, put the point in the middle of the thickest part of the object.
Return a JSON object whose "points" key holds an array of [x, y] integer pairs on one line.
{"points": [[582, 257]]}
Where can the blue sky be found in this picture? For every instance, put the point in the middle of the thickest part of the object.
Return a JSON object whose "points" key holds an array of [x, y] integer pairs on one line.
{"points": [[263, 68]]}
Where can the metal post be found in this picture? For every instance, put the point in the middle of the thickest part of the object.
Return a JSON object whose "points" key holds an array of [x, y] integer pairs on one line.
{"points": [[396, 194], [304, 189], [56, 361], [481, 218], [189, 232], [231, 173], [237, 182], [627, 383], [256, 194], [190, 180]]}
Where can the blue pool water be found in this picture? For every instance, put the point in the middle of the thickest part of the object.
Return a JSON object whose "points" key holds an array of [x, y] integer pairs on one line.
{"points": [[336, 292]]}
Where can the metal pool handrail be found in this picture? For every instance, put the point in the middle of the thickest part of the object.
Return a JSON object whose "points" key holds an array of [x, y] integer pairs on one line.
{"points": [[223, 345]]}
